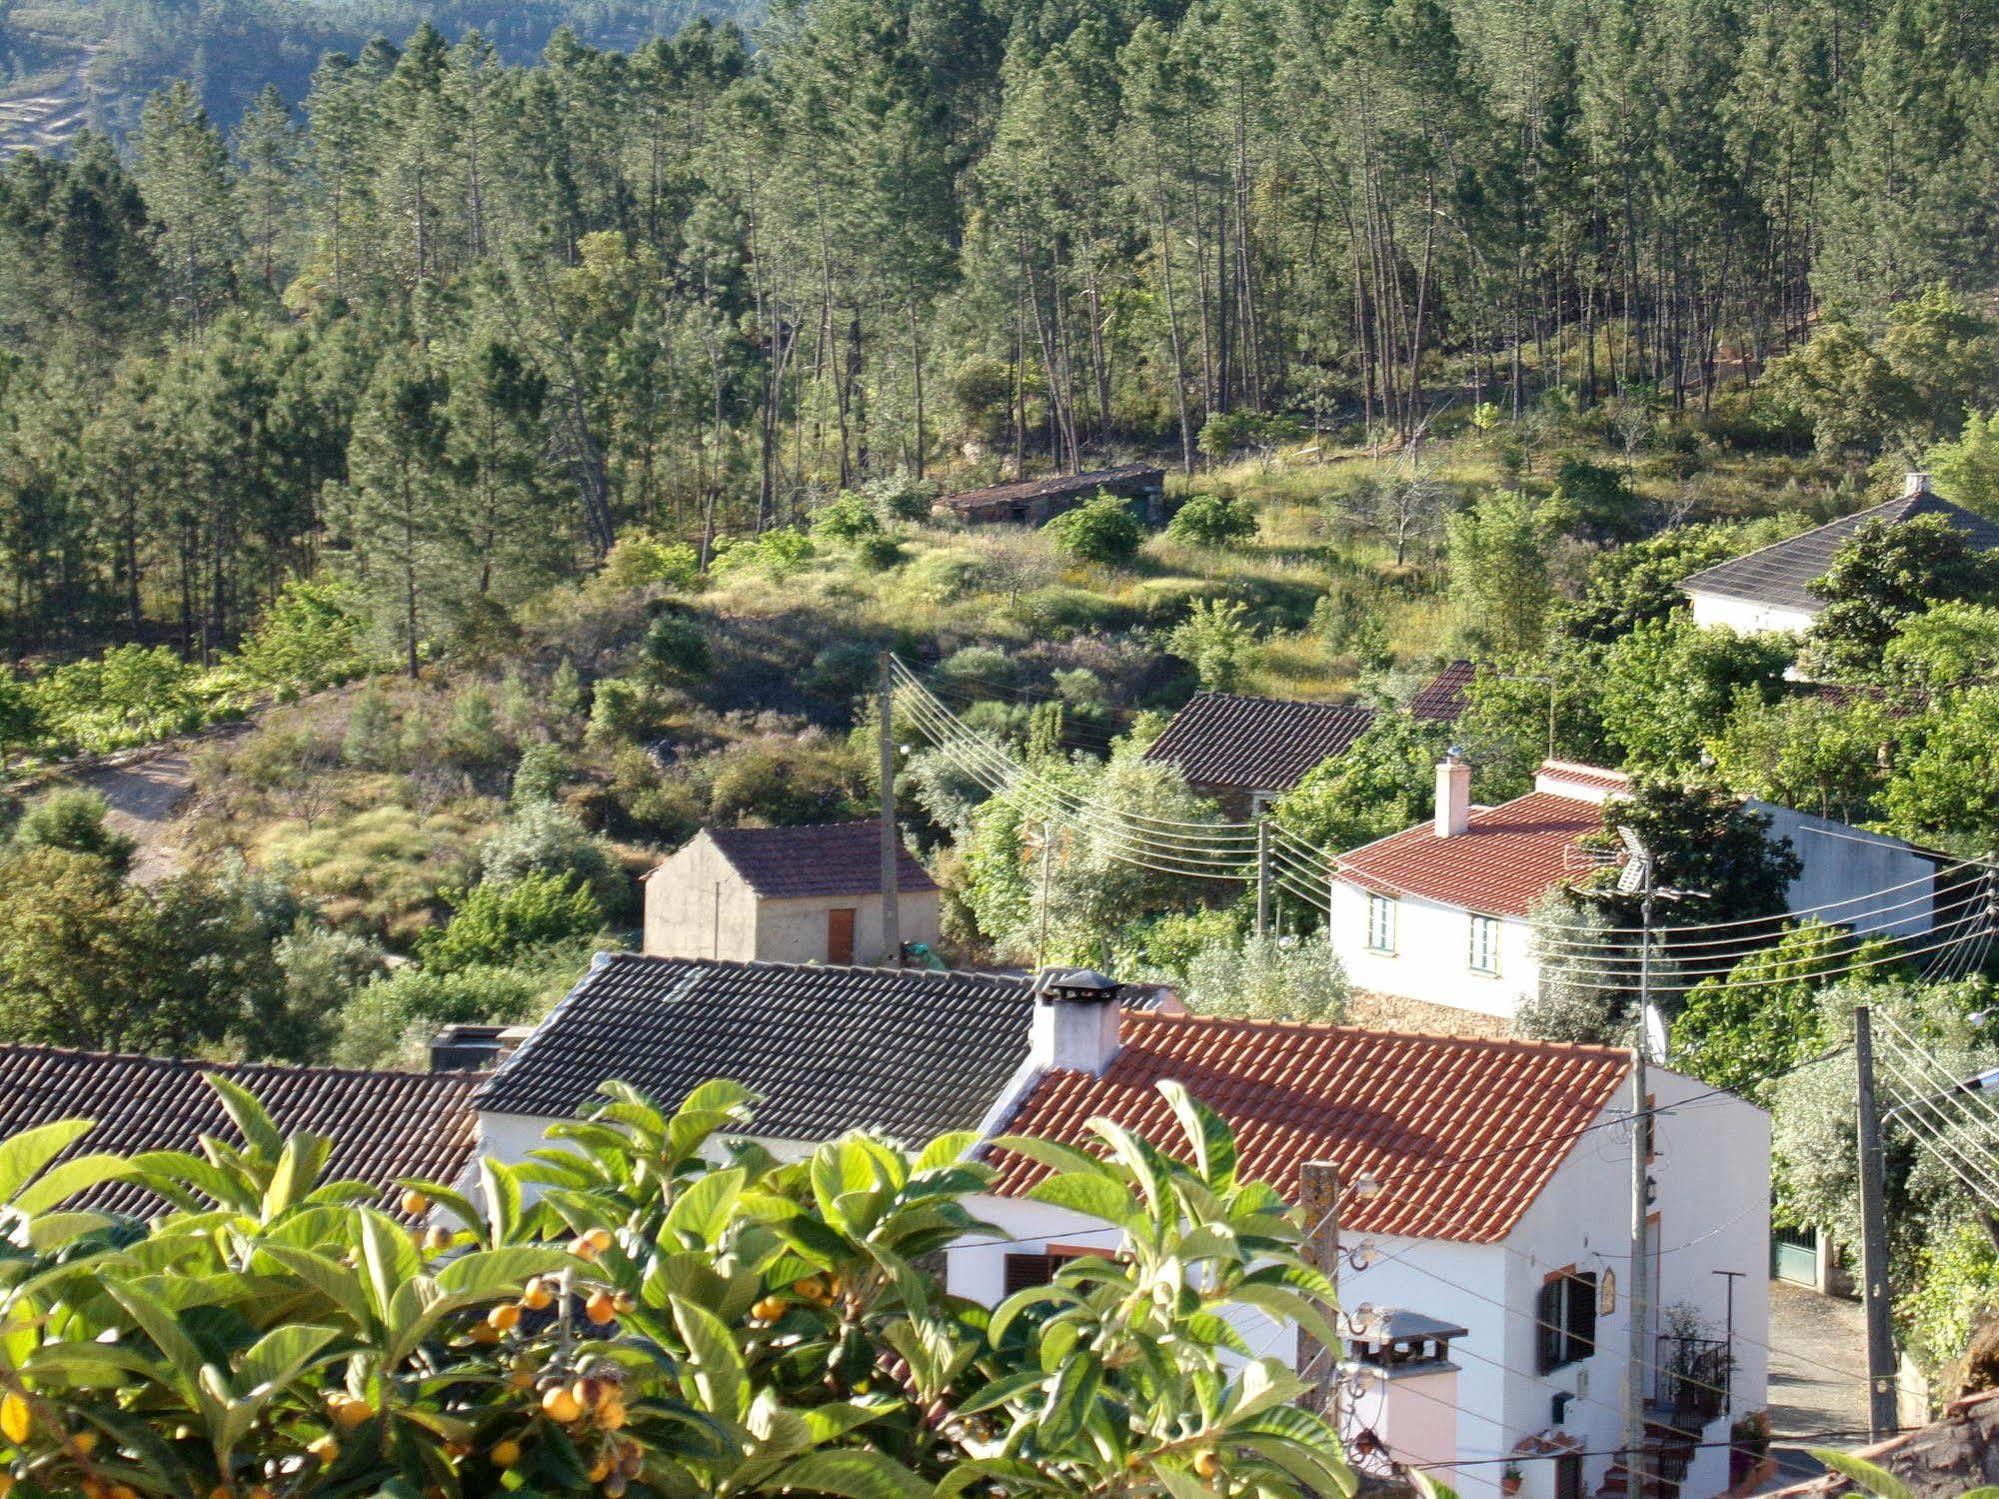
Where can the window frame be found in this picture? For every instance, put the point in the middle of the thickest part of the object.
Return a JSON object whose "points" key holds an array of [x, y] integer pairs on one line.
{"points": [[1391, 909], [1565, 1319], [1491, 926]]}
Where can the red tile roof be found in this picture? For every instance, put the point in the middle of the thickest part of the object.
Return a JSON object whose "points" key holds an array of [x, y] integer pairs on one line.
{"points": [[1500, 865], [383, 1125], [1462, 1132], [832, 858], [1593, 777], [1442, 699]]}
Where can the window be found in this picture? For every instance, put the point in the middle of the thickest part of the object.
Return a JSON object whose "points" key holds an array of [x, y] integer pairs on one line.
{"points": [[1024, 1271], [1380, 923], [1483, 955], [1566, 1318]]}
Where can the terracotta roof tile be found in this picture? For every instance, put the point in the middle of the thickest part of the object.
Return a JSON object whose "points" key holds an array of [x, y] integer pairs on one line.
{"points": [[383, 1125], [832, 858], [1503, 862], [1462, 1132], [1256, 743]]}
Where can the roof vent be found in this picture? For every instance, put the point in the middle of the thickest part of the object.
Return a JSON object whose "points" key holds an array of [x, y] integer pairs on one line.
{"points": [[1083, 986]]}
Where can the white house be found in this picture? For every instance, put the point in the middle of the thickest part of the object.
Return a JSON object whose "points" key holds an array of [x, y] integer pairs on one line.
{"points": [[1768, 590], [785, 895], [1501, 1168], [1440, 913], [1493, 1214]]}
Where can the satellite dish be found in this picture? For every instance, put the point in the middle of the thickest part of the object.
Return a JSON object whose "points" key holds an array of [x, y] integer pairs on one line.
{"points": [[1655, 1035]]}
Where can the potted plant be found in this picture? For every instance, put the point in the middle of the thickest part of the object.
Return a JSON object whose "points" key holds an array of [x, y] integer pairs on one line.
{"points": [[1509, 1480]]}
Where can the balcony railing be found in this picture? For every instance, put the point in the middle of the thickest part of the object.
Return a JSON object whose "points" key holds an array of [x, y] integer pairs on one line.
{"points": [[1691, 1378]]}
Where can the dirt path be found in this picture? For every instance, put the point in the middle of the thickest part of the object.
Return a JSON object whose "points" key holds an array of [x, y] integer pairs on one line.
{"points": [[145, 799]]}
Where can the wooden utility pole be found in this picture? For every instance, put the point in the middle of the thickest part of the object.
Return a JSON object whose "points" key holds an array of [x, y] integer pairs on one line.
{"points": [[1319, 1201], [891, 838], [1263, 877], [1639, 1299], [1881, 1414]]}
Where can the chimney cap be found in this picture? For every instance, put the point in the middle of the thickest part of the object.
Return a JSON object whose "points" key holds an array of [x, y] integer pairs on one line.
{"points": [[1915, 482], [1076, 986]]}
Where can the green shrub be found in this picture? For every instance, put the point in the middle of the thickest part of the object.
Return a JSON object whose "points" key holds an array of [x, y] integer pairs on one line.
{"points": [[130, 695], [395, 1016], [676, 649], [74, 821], [500, 924], [540, 775], [644, 557], [472, 737], [843, 670], [542, 839], [1213, 520], [849, 517], [776, 554], [310, 637], [1104, 530], [879, 554], [370, 741]]}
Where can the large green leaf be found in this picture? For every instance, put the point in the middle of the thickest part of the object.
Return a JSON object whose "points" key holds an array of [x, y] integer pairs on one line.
{"points": [[60, 1183], [717, 1379], [1872, 1477], [704, 1208], [1071, 1399], [22, 1155], [1091, 1194], [852, 1473], [248, 1115]]}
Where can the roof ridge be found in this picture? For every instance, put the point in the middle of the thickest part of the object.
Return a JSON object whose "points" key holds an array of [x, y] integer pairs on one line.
{"points": [[197, 1064], [1900, 504], [770, 964]]}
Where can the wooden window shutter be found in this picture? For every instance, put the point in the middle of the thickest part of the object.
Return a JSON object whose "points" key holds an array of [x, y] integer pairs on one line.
{"points": [[1582, 1316], [1549, 1340], [1025, 1271]]}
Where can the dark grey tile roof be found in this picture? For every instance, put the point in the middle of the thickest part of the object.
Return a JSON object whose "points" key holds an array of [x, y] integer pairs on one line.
{"points": [[911, 1053], [1442, 698], [833, 858], [1779, 574], [1256, 743], [383, 1125], [1055, 485]]}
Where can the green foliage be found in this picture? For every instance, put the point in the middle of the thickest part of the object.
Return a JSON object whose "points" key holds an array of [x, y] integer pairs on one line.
{"points": [[1270, 978], [1386, 780], [849, 517], [391, 1021], [1949, 645], [1501, 580], [1639, 582], [1102, 530], [642, 557], [543, 839], [1967, 471], [1813, 753], [1701, 840], [1666, 684], [1944, 793], [1213, 520], [1765, 1016], [498, 924], [540, 775], [129, 695], [1954, 1292], [309, 638], [753, 1309], [1886, 573], [1583, 997], [1217, 641], [676, 649], [776, 554], [74, 821]]}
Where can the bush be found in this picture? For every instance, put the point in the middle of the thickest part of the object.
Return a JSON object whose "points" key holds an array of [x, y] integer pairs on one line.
{"points": [[128, 696], [310, 637], [776, 554], [540, 775], [1216, 642], [542, 839], [500, 924], [394, 1017], [1213, 520], [1104, 530], [370, 741], [1270, 978], [646, 557], [676, 649], [849, 517], [74, 821]]}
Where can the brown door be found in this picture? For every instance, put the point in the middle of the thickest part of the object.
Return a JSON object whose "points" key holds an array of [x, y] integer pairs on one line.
{"points": [[840, 935]]}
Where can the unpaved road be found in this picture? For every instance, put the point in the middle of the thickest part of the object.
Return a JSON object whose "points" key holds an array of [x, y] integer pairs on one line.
{"points": [[145, 799]]}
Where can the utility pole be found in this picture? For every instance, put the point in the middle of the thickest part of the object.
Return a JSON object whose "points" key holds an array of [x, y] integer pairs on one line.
{"points": [[1047, 854], [1640, 1300], [1319, 1201], [1263, 877], [1881, 1414], [891, 838]]}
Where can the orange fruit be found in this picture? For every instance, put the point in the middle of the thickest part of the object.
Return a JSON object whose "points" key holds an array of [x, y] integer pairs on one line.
{"points": [[325, 1449], [536, 1296], [600, 1308], [415, 1203], [559, 1405], [504, 1317], [505, 1453]]}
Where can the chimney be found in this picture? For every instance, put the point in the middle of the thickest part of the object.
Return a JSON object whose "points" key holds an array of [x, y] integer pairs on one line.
{"points": [[473, 1048], [1914, 484], [1453, 795], [1075, 1020]]}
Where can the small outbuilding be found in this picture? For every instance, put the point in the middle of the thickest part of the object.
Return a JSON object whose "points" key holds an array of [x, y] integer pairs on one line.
{"points": [[785, 895], [1246, 752], [1034, 502]]}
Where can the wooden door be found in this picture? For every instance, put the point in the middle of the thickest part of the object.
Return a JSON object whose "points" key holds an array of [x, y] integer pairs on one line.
{"points": [[840, 935]]}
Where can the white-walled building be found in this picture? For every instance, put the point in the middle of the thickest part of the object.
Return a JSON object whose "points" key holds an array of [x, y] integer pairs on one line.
{"points": [[1768, 591], [1502, 1169], [1441, 913], [785, 895]]}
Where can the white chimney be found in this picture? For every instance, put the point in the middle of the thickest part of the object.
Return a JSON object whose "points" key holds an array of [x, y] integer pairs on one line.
{"points": [[1453, 796], [1075, 1020], [1914, 484]]}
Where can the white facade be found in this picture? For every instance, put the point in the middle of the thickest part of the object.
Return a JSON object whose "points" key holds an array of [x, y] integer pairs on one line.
{"points": [[1429, 951], [1869, 882], [1712, 1174], [1746, 616]]}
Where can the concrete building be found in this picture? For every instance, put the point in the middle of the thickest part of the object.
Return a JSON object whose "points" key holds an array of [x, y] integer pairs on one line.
{"points": [[1034, 502], [1440, 914], [1768, 591], [784, 895]]}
